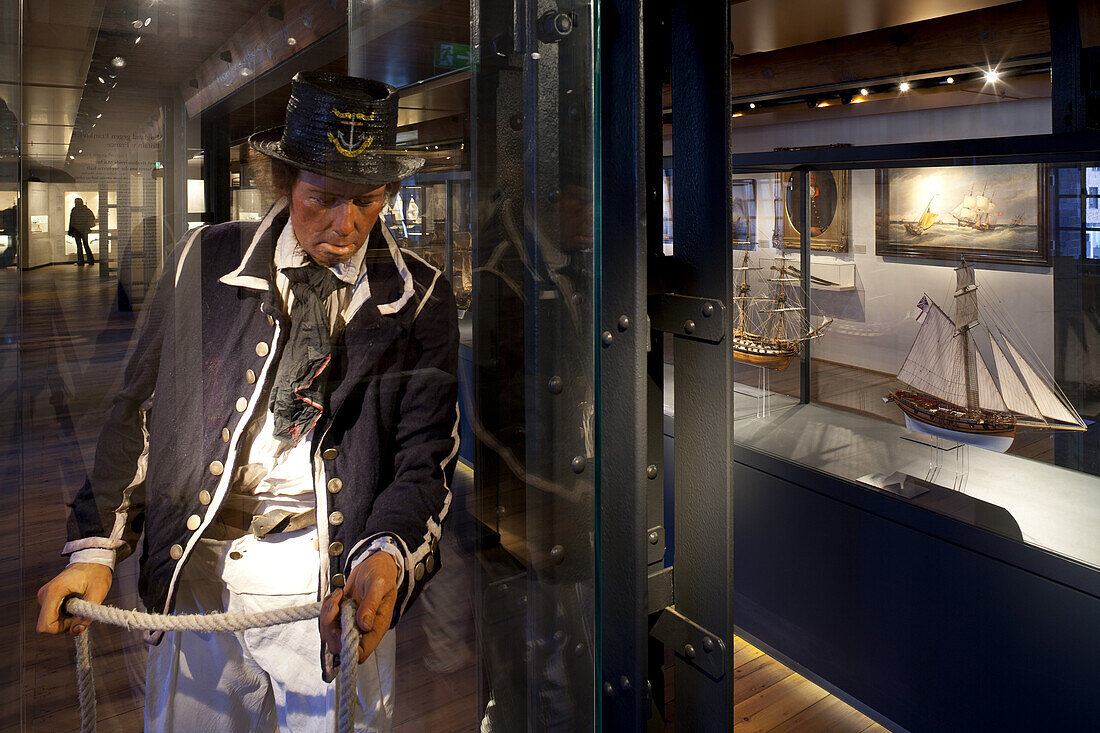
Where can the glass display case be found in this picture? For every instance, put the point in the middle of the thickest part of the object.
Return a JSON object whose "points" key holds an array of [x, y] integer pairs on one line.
{"points": [[431, 215], [946, 344]]}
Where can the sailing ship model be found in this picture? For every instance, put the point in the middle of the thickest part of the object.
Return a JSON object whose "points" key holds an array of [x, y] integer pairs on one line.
{"points": [[925, 222], [766, 332], [976, 212], [951, 389]]}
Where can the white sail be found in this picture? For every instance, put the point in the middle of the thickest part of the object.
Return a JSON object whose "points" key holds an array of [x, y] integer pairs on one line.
{"points": [[982, 204], [935, 362], [989, 398], [1015, 395], [1050, 404]]}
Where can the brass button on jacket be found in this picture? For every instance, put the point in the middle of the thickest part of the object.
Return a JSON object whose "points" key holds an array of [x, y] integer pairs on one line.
{"points": [[336, 549], [262, 349], [418, 571], [193, 522], [225, 435], [338, 580], [242, 404], [330, 453], [204, 497], [334, 485], [216, 468], [250, 376], [175, 552], [336, 518]]}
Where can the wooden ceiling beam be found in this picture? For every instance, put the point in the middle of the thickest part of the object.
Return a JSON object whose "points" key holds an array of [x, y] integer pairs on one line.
{"points": [[973, 39]]}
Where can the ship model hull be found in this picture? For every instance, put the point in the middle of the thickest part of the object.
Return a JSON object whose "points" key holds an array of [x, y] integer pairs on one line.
{"points": [[931, 416], [762, 352]]}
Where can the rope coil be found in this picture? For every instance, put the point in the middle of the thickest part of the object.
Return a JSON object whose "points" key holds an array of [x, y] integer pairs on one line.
{"points": [[346, 694]]}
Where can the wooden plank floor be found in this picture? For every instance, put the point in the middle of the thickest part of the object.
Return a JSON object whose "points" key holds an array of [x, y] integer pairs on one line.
{"points": [[73, 344]]}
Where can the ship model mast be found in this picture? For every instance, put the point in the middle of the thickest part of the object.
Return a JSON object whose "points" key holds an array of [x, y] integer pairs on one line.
{"points": [[953, 392], [761, 334]]}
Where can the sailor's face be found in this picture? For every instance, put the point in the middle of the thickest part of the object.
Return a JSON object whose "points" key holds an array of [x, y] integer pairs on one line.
{"points": [[332, 218]]}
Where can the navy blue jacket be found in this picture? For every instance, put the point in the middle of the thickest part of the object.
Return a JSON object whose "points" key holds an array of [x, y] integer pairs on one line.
{"points": [[383, 451]]}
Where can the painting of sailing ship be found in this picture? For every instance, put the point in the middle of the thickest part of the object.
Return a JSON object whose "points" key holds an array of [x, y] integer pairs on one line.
{"points": [[992, 213], [769, 325], [972, 378]]}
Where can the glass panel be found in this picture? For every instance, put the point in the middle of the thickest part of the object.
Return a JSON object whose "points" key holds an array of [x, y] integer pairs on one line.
{"points": [[14, 553]]}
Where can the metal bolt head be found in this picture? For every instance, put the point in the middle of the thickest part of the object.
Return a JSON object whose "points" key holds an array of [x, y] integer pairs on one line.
{"points": [[689, 326], [578, 464], [624, 682], [708, 310], [689, 651], [708, 644], [608, 689], [553, 196], [606, 338], [653, 537], [516, 122], [578, 650], [557, 554], [624, 323], [555, 385], [651, 470]]}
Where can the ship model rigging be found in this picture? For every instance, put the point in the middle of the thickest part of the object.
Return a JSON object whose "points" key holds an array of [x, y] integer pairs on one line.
{"points": [[952, 392], [768, 329]]}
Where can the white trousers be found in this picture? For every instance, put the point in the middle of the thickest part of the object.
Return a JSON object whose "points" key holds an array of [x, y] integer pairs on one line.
{"points": [[260, 679]]}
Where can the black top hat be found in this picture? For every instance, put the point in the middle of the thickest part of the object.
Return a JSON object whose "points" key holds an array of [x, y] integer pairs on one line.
{"points": [[340, 127]]}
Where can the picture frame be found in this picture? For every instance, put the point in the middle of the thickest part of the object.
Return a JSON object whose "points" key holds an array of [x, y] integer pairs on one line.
{"points": [[830, 229], [743, 212], [992, 213]]}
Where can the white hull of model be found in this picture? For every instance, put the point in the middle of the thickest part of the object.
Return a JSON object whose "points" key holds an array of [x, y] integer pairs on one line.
{"points": [[998, 443]]}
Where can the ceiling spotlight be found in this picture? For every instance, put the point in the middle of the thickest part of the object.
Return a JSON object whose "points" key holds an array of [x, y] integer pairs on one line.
{"points": [[292, 41], [118, 62], [137, 40], [738, 114], [752, 105], [101, 80], [136, 24], [148, 21], [72, 157], [822, 103], [863, 92], [99, 115], [246, 72], [950, 80], [107, 98], [991, 76], [903, 87], [80, 151]]}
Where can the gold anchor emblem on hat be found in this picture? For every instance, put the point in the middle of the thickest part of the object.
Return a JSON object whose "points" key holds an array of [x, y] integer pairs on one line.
{"points": [[344, 139]]}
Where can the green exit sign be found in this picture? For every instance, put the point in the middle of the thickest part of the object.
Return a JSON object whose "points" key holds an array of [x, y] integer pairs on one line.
{"points": [[452, 55]]}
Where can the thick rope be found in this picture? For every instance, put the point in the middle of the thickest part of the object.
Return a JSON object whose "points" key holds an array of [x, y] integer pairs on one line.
{"points": [[346, 688]]}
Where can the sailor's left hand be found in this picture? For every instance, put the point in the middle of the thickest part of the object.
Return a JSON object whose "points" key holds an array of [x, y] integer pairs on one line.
{"points": [[373, 585]]}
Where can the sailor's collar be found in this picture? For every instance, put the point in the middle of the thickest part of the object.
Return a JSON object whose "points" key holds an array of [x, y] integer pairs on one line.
{"points": [[254, 270]]}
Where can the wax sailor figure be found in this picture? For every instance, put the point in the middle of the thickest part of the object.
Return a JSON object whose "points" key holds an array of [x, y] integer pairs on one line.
{"points": [[286, 432]]}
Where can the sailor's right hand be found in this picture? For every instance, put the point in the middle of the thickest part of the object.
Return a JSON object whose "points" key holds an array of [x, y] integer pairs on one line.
{"points": [[89, 580]]}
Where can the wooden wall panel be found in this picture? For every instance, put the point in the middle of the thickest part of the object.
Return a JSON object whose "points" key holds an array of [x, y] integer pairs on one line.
{"points": [[967, 39], [259, 45]]}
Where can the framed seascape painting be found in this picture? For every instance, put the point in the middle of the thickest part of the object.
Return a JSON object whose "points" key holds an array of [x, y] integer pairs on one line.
{"points": [[995, 213], [829, 193]]}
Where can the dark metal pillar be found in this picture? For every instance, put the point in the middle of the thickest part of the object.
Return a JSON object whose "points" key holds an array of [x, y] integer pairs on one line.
{"points": [[704, 370], [1067, 102], [215, 146], [622, 368]]}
